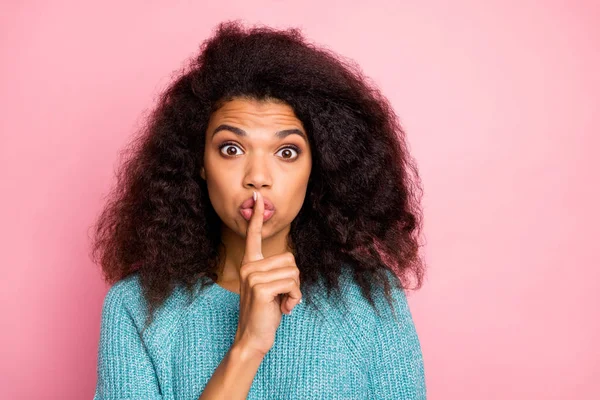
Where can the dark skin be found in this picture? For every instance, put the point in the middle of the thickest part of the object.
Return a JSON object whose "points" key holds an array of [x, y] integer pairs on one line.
{"points": [[258, 161]]}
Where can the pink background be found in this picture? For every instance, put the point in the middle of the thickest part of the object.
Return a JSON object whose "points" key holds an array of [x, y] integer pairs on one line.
{"points": [[501, 108]]}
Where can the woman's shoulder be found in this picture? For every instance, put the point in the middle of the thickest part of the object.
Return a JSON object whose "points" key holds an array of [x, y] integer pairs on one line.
{"points": [[355, 301], [125, 299], [350, 318], [126, 286], [125, 295], [130, 291], [351, 313]]}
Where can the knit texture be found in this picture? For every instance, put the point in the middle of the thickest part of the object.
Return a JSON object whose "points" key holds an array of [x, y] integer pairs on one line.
{"points": [[327, 352]]}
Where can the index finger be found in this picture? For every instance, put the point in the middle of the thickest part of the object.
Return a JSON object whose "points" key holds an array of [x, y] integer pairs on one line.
{"points": [[253, 251]]}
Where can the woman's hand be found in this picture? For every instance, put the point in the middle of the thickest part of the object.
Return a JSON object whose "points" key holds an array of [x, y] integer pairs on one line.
{"points": [[268, 287]]}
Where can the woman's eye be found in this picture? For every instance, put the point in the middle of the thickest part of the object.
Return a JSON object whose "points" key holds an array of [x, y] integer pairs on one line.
{"points": [[228, 152], [231, 152], [287, 152]]}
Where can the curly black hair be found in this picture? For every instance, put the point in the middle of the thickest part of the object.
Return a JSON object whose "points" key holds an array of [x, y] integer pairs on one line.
{"points": [[362, 206]]}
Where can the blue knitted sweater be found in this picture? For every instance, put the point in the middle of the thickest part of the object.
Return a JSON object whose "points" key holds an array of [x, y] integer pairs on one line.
{"points": [[324, 352]]}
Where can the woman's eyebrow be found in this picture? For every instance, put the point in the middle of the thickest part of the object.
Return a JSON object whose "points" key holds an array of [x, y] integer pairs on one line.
{"points": [[240, 132]]}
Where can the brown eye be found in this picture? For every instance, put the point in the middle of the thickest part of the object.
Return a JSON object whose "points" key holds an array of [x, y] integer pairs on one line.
{"points": [[229, 152], [287, 152]]}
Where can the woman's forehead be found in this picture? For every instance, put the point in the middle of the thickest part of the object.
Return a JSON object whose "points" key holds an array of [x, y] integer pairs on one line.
{"points": [[251, 111]]}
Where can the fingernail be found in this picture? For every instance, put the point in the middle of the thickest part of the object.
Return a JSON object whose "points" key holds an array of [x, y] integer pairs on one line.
{"points": [[254, 195]]}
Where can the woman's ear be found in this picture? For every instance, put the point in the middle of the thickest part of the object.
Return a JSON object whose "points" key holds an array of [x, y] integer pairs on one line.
{"points": [[202, 174]]}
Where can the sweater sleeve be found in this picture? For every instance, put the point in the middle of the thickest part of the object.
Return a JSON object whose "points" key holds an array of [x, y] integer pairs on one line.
{"points": [[125, 370], [396, 369]]}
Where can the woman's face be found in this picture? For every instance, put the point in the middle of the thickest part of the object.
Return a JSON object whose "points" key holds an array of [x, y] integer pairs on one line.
{"points": [[252, 145]]}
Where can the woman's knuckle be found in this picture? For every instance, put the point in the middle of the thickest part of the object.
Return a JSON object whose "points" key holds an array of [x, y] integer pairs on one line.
{"points": [[244, 270], [290, 257], [257, 288]]}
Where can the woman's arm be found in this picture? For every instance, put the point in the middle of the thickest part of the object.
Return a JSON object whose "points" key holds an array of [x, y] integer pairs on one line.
{"points": [[234, 376], [125, 370], [395, 367]]}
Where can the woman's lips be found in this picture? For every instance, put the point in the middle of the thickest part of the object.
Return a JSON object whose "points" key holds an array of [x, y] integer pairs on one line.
{"points": [[247, 214], [247, 208], [249, 203]]}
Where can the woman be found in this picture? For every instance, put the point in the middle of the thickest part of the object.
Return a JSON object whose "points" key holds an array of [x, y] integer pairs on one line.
{"points": [[270, 178]]}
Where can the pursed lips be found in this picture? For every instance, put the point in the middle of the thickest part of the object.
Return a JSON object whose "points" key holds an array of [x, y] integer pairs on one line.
{"points": [[249, 203], [246, 209]]}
